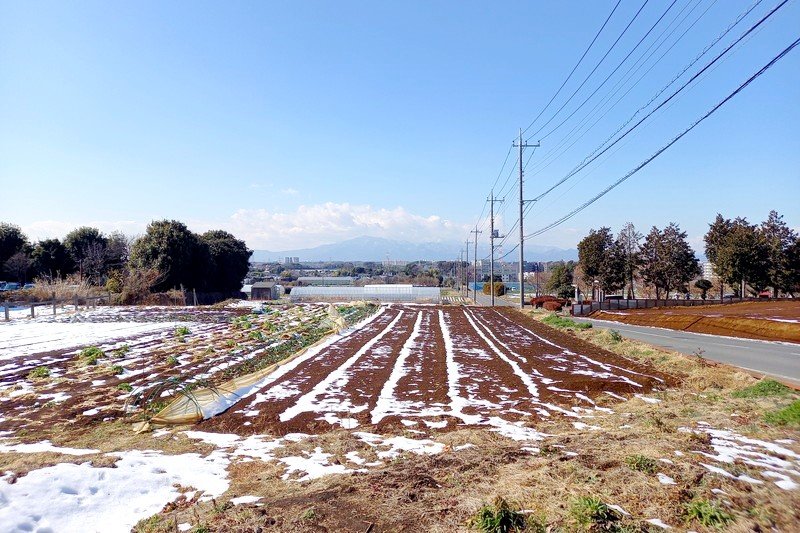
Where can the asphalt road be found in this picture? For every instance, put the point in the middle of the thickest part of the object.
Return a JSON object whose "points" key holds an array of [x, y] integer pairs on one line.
{"points": [[777, 359]]}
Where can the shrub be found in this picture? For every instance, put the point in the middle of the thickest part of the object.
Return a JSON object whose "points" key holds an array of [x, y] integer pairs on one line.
{"points": [[788, 416], [125, 386], [765, 387], [181, 331], [122, 351], [90, 355], [561, 322], [552, 306], [589, 510], [641, 463], [498, 518], [539, 301], [708, 513], [116, 370], [114, 282], [614, 335], [40, 372], [499, 288], [172, 361]]}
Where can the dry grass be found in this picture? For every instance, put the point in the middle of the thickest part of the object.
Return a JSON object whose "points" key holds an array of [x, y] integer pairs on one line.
{"points": [[64, 289]]}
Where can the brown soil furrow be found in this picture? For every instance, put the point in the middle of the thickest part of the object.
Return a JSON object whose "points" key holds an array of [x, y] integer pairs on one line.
{"points": [[586, 368], [421, 391], [260, 413], [486, 382], [366, 378]]}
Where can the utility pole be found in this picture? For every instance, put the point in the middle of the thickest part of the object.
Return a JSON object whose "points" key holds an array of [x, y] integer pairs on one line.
{"points": [[458, 271], [466, 269], [521, 144], [492, 236], [461, 271], [475, 268]]}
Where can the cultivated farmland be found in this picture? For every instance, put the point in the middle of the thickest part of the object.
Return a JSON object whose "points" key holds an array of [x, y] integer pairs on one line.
{"points": [[769, 320], [411, 418]]}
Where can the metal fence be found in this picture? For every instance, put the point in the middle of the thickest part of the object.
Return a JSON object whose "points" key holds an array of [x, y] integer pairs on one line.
{"points": [[646, 303], [75, 301]]}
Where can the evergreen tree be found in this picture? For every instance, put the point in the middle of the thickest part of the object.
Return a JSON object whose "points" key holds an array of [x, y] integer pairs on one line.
{"points": [[560, 282], [12, 240], [778, 237], [176, 253], [51, 259], [230, 260], [628, 244], [668, 262]]}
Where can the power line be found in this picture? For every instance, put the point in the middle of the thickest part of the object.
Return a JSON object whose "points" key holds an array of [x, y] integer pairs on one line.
{"points": [[590, 74], [664, 148], [575, 67], [608, 77], [595, 154], [561, 147]]}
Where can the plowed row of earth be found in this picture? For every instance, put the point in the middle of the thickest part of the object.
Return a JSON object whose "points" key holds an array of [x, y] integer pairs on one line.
{"points": [[438, 367], [771, 321]]}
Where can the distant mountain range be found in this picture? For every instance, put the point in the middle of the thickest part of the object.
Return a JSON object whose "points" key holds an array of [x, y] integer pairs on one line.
{"points": [[379, 249]]}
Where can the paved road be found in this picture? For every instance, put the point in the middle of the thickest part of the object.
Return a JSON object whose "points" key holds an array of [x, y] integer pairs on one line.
{"points": [[781, 360], [486, 299]]}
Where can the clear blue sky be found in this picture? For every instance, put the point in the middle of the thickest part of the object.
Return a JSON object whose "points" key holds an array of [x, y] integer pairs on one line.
{"points": [[297, 123]]}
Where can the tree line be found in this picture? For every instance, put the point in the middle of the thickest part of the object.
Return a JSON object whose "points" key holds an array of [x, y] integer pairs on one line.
{"points": [[756, 256], [168, 256]]}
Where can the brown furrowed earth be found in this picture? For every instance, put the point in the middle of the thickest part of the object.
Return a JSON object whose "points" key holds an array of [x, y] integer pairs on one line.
{"points": [[770, 320], [439, 367]]}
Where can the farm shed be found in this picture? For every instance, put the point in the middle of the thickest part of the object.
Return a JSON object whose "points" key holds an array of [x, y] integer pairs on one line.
{"points": [[264, 290], [380, 293]]}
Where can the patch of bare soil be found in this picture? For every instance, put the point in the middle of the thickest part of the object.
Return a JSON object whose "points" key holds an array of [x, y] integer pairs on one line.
{"points": [[773, 321]]}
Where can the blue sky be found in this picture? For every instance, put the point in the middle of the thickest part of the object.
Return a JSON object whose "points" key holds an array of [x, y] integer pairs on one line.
{"points": [[295, 124]]}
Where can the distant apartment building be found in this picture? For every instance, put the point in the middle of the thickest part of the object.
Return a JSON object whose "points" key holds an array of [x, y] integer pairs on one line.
{"points": [[506, 271], [708, 271], [291, 260]]}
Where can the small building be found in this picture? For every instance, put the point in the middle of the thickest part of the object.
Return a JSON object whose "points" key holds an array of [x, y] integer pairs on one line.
{"points": [[264, 290]]}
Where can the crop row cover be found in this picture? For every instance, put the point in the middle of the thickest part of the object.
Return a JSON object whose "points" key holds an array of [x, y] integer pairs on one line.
{"points": [[199, 404]]}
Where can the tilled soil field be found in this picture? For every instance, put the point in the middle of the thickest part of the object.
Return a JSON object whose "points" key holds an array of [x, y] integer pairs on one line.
{"points": [[772, 321], [438, 367]]}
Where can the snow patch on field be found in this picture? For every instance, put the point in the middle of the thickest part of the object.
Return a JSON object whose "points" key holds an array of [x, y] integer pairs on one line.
{"points": [[44, 446], [70, 497], [28, 338], [773, 460]]}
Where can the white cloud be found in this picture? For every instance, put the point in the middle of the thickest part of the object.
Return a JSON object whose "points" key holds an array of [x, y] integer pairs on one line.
{"points": [[290, 191], [57, 229], [312, 225], [306, 226]]}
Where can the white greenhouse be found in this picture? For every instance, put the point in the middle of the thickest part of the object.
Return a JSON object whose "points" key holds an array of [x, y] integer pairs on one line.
{"points": [[380, 293]]}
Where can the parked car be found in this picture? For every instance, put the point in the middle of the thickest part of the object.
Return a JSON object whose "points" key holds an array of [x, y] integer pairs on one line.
{"points": [[9, 286], [29, 286]]}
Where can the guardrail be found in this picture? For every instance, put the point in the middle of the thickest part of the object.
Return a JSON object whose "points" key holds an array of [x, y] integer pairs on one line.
{"points": [[87, 301]]}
